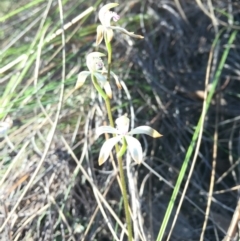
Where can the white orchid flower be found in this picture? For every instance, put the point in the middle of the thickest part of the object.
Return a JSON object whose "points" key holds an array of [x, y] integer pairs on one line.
{"points": [[106, 30], [121, 131], [96, 67]]}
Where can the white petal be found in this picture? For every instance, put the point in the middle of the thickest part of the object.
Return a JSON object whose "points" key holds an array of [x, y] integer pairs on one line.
{"points": [[82, 76], [101, 78], [100, 31], [106, 129], [145, 130], [122, 123], [109, 34], [108, 89], [135, 149], [107, 148]]}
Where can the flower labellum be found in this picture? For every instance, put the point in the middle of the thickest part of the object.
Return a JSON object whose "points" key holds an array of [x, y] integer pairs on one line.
{"points": [[121, 132]]}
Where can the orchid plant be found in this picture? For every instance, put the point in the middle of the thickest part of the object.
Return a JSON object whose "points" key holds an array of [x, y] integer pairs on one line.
{"points": [[101, 80]]}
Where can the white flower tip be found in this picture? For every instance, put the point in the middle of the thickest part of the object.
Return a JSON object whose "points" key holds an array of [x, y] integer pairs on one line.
{"points": [[81, 79], [100, 161], [109, 95], [149, 131], [108, 89], [156, 134], [78, 84], [104, 154], [138, 161]]}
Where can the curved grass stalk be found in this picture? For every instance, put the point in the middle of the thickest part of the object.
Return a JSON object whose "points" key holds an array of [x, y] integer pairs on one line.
{"points": [[195, 136]]}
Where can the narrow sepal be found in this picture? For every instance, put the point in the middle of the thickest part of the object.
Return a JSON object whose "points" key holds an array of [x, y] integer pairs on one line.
{"points": [[135, 149], [145, 130], [82, 76], [108, 89], [100, 78], [107, 148], [109, 33], [106, 129], [100, 31]]}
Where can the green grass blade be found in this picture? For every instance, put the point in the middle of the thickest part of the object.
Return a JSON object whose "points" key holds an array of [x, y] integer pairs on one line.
{"points": [[195, 136], [15, 81], [29, 5]]}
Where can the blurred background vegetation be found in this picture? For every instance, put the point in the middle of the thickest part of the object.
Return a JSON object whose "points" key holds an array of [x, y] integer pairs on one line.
{"points": [[50, 182]]}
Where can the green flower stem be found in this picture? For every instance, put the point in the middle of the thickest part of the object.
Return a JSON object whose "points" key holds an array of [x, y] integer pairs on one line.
{"points": [[109, 50], [124, 147], [98, 87], [105, 97], [120, 153]]}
